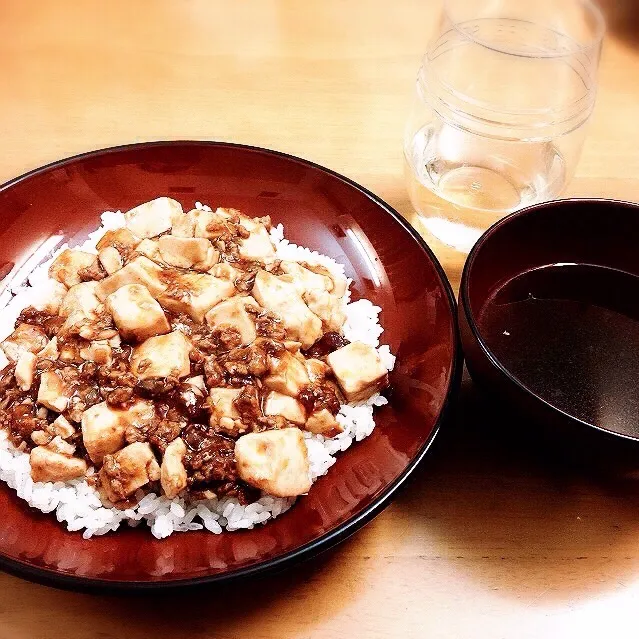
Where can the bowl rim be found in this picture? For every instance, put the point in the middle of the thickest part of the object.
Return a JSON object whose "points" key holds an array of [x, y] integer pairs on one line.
{"points": [[465, 306], [52, 577]]}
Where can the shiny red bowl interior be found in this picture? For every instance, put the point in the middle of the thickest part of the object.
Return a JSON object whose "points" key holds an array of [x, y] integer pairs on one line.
{"points": [[389, 264]]}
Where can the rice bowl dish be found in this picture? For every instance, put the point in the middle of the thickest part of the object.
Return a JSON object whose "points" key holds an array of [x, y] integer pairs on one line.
{"points": [[176, 495]]}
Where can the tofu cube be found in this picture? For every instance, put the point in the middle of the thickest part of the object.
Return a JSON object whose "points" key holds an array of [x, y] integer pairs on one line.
{"points": [[110, 259], [94, 326], [162, 356], [172, 471], [140, 413], [224, 414], [120, 239], [233, 312], [208, 224], [323, 423], [49, 465], [78, 323], [339, 283], [103, 428], [257, 246], [227, 214], [40, 437], [287, 375], [62, 427], [249, 223], [141, 270], [59, 445], [304, 279], [150, 249], [25, 370], [224, 271], [102, 431], [187, 252], [65, 267], [327, 307], [53, 393], [286, 406], [127, 470], [222, 402], [315, 289], [50, 351], [194, 293], [184, 225], [98, 351], [80, 298], [275, 461], [211, 259], [359, 371], [292, 346], [52, 294], [197, 383], [316, 369], [154, 217], [25, 338], [282, 299], [136, 314]]}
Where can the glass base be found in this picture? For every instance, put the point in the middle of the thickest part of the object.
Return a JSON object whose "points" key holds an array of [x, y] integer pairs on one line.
{"points": [[454, 234]]}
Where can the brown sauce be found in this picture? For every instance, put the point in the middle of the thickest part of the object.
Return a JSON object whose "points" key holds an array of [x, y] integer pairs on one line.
{"points": [[571, 334], [326, 344]]}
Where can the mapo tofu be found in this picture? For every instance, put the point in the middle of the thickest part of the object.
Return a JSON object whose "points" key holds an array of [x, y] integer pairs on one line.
{"points": [[183, 358]]}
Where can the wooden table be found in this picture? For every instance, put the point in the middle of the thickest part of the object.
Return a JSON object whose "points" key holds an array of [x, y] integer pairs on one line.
{"points": [[487, 541]]}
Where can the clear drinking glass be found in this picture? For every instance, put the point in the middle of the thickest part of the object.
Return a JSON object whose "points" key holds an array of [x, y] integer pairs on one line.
{"points": [[502, 100]]}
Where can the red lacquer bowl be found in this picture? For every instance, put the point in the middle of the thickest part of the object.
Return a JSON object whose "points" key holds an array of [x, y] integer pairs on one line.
{"points": [[389, 264]]}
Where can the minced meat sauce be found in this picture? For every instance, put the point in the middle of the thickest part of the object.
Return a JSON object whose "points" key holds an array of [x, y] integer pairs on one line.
{"points": [[181, 410]]}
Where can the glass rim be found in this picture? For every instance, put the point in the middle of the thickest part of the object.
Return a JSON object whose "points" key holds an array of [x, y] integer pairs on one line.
{"points": [[589, 7]]}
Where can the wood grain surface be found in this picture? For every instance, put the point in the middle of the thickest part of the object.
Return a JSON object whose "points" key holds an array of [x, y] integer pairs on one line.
{"points": [[489, 540]]}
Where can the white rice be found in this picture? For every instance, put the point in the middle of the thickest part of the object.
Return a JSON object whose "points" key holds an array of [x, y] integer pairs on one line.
{"points": [[79, 505]]}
